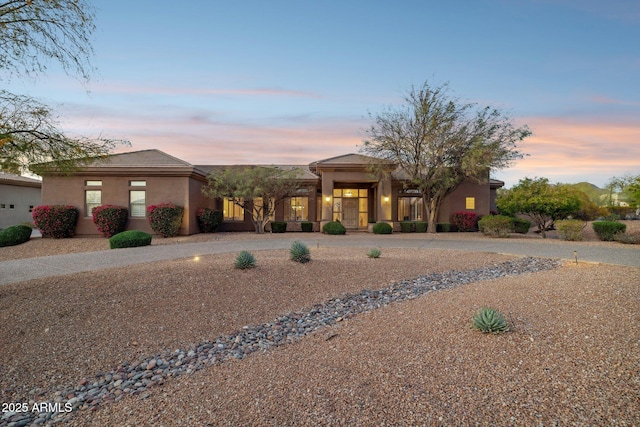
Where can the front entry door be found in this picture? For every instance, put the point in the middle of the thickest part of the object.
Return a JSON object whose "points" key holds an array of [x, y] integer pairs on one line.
{"points": [[350, 213]]}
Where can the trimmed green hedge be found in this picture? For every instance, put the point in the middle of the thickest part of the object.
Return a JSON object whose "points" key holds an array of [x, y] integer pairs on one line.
{"points": [[407, 227], [334, 227], [496, 225], [14, 235], [520, 225], [278, 226], [443, 227], [130, 239], [382, 228], [307, 227], [606, 230]]}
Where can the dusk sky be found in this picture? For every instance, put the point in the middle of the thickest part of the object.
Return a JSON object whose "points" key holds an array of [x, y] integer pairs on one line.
{"points": [[291, 82]]}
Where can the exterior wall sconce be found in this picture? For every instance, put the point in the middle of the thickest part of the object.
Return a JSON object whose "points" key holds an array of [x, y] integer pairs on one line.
{"points": [[327, 199], [386, 199]]}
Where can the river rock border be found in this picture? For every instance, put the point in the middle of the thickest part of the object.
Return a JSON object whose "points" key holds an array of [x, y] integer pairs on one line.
{"points": [[138, 378]]}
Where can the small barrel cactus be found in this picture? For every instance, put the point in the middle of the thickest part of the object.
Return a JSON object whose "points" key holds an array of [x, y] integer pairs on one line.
{"points": [[299, 252]]}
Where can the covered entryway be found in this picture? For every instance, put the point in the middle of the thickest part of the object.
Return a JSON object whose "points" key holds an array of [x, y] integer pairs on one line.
{"points": [[352, 193]]}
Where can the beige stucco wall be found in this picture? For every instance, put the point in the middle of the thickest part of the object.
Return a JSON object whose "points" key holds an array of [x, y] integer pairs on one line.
{"points": [[115, 190]]}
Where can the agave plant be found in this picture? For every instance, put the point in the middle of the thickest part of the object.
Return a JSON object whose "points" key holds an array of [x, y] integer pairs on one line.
{"points": [[299, 252], [489, 320], [374, 253], [245, 260]]}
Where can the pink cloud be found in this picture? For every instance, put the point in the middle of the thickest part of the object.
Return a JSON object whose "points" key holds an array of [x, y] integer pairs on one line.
{"points": [[571, 150]]}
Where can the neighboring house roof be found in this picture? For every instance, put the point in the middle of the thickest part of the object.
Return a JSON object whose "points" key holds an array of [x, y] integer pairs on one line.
{"points": [[19, 181]]}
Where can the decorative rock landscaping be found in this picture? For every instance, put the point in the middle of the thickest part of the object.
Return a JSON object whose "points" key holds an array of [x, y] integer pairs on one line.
{"points": [[139, 377]]}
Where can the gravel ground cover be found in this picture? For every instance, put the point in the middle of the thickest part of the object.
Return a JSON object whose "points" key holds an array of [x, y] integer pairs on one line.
{"points": [[572, 357]]}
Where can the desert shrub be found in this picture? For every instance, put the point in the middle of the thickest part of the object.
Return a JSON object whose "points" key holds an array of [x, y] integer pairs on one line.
{"points": [[14, 235], [208, 219], [496, 225], [57, 221], [606, 230], [465, 221], [130, 239], [443, 227], [374, 253], [245, 260], [110, 220], [628, 238], [421, 227], [570, 229], [299, 252], [278, 226], [407, 227], [521, 225], [334, 227], [489, 320], [382, 228], [307, 227], [165, 219]]}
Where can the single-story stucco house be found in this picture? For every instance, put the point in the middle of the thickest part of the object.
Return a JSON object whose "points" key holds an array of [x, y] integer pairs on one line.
{"points": [[18, 196], [336, 188]]}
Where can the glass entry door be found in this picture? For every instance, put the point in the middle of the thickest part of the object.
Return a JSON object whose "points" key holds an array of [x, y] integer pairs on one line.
{"points": [[350, 213]]}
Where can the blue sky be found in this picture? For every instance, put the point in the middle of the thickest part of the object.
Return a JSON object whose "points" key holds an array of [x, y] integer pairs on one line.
{"points": [[216, 82]]}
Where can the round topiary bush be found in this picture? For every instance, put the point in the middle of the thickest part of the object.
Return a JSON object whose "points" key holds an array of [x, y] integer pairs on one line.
{"points": [[334, 227], [14, 235], [130, 239], [382, 228]]}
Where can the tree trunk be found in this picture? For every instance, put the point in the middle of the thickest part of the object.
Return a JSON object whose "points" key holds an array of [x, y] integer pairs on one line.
{"points": [[431, 210]]}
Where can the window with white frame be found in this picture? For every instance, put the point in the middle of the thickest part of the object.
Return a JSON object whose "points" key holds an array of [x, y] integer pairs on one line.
{"points": [[92, 199], [138, 203]]}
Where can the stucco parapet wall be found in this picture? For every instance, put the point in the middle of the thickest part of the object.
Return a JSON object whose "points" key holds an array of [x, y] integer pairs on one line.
{"points": [[141, 171]]}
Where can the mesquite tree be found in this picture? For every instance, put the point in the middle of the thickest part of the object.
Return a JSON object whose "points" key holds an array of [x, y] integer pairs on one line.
{"points": [[439, 142], [254, 188]]}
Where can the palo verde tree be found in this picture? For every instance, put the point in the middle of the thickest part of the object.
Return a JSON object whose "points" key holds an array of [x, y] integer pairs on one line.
{"points": [[543, 202], [439, 142], [34, 33], [256, 189]]}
